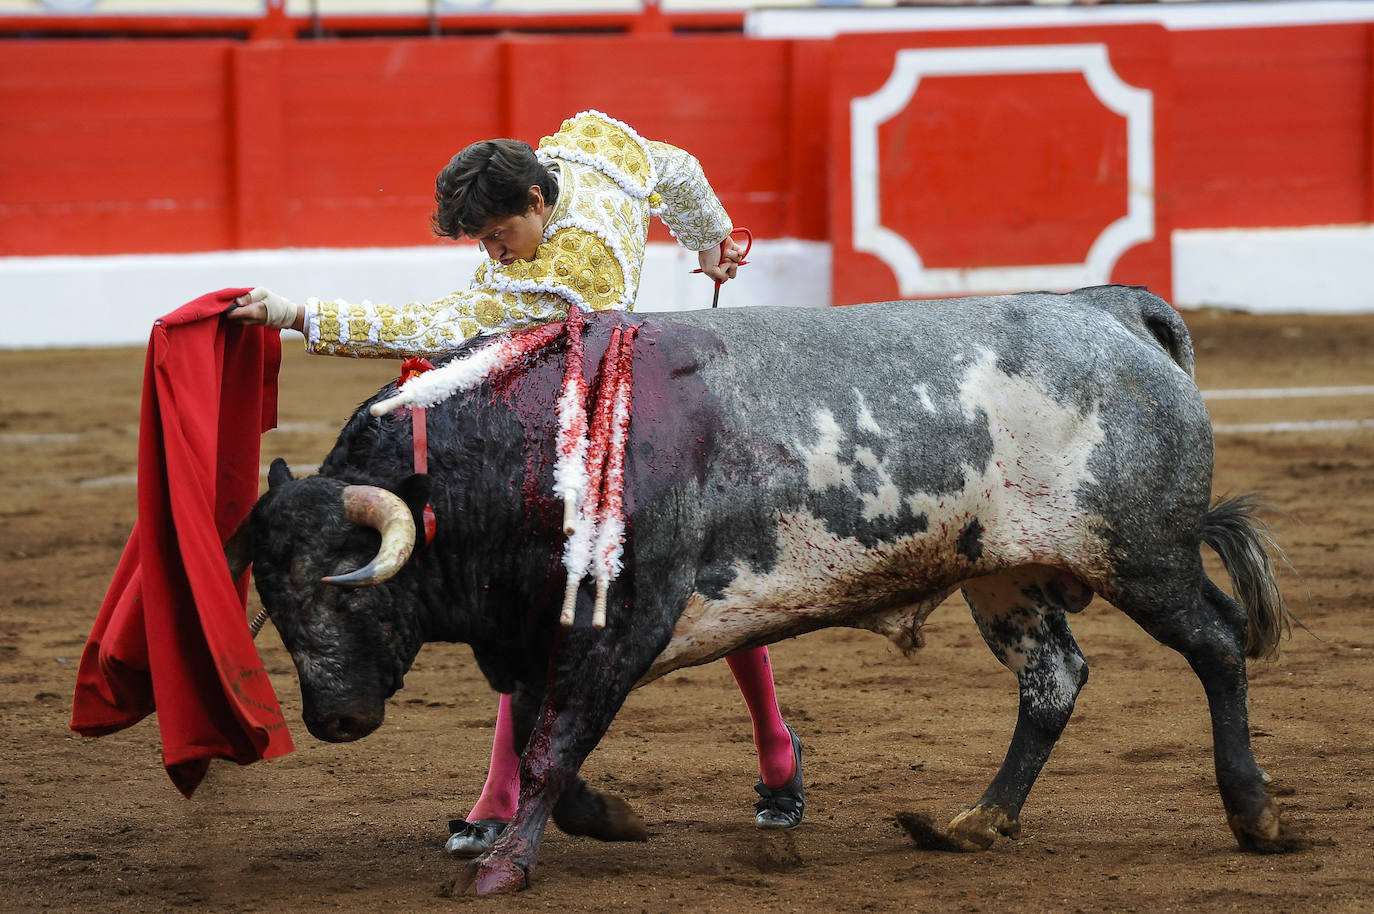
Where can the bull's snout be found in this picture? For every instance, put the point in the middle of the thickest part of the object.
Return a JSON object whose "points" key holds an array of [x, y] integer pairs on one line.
{"points": [[345, 726]]}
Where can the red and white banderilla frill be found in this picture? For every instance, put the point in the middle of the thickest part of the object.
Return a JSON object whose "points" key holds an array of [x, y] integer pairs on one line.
{"points": [[589, 475]]}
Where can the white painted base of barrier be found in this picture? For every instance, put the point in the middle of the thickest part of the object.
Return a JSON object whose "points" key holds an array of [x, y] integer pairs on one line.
{"points": [[1313, 269], [112, 301]]}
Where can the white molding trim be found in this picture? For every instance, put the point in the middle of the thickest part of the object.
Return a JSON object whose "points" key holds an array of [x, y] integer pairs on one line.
{"points": [[868, 113], [827, 23]]}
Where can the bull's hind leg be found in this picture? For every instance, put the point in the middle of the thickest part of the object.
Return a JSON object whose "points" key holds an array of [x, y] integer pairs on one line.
{"points": [[1021, 616], [1190, 614]]}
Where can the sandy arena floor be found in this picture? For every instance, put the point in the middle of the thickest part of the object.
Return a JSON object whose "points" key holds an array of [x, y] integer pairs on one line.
{"points": [[1126, 816]]}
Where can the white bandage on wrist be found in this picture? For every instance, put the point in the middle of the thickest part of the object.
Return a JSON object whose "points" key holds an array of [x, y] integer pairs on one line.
{"points": [[281, 312]]}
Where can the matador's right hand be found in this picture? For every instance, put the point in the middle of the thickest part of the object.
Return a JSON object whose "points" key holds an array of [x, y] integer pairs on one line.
{"points": [[722, 261], [264, 308]]}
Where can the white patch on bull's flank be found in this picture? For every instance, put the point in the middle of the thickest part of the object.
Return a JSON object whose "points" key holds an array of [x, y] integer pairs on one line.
{"points": [[817, 575], [1039, 460], [923, 395], [866, 421], [1024, 499], [823, 466], [886, 501]]}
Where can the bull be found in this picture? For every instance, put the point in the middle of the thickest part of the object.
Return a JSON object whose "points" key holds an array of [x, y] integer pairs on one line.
{"points": [[789, 470]]}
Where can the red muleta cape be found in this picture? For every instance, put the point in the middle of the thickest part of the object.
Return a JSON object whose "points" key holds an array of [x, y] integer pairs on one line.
{"points": [[171, 634]]}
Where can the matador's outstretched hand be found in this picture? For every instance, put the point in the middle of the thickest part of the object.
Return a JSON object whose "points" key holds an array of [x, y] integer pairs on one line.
{"points": [[264, 308]]}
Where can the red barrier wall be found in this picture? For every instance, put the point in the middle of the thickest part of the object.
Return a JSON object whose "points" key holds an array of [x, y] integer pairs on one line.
{"points": [[115, 147], [169, 145], [338, 143], [1272, 126]]}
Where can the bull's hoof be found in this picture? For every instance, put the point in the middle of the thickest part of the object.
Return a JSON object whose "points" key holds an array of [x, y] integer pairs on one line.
{"points": [[599, 816], [977, 828], [974, 830], [1264, 833], [495, 877]]}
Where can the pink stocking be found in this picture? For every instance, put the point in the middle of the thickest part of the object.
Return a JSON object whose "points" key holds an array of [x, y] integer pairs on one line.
{"points": [[754, 676], [502, 789]]}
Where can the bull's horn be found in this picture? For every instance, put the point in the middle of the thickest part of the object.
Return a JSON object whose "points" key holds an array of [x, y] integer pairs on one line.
{"points": [[385, 512]]}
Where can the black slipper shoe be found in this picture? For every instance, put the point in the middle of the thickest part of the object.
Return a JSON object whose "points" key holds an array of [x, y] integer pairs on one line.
{"points": [[782, 807], [472, 839]]}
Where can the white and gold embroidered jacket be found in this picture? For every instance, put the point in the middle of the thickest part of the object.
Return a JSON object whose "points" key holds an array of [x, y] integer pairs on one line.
{"points": [[610, 181]]}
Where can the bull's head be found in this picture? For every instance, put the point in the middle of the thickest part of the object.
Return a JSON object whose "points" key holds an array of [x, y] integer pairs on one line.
{"points": [[328, 561]]}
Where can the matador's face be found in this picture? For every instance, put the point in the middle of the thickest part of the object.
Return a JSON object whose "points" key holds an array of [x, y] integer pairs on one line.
{"points": [[513, 238]]}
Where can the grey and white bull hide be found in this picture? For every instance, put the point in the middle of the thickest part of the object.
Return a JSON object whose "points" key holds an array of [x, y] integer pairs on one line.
{"points": [[789, 470]]}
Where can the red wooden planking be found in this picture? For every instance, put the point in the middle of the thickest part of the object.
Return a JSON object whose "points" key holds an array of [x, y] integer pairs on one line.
{"points": [[1019, 182], [106, 148], [259, 142], [369, 126], [1272, 126], [806, 201], [115, 146], [115, 228], [92, 163], [730, 114], [1149, 64]]}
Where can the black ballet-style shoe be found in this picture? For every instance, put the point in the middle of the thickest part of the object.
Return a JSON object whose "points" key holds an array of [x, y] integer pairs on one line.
{"points": [[782, 807], [472, 839]]}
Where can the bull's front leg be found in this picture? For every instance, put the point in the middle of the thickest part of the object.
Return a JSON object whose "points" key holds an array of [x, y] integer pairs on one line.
{"points": [[581, 809], [591, 678]]}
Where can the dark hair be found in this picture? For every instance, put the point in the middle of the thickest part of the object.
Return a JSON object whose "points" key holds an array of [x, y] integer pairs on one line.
{"points": [[487, 181]]}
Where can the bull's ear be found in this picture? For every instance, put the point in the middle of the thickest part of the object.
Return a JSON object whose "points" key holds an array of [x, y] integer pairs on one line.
{"points": [[278, 473], [414, 491]]}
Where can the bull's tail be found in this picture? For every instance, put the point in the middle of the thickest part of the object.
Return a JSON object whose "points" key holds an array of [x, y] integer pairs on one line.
{"points": [[1243, 543]]}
